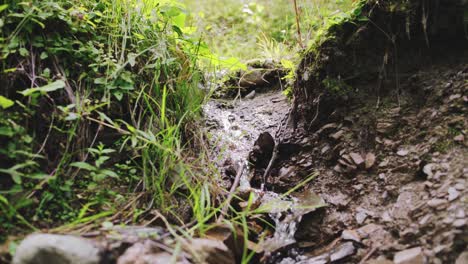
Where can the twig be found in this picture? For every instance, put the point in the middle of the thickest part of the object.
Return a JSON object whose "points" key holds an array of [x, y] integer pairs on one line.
{"points": [[368, 255], [231, 193], [299, 35]]}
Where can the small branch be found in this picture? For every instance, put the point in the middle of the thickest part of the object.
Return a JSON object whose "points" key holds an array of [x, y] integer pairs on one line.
{"points": [[231, 193], [299, 35]]}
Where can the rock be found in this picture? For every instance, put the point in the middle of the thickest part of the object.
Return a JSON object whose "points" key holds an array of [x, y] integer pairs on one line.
{"points": [[322, 259], [210, 251], [286, 172], [337, 135], [262, 151], [361, 217], [409, 256], [402, 152], [351, 235], [435, 203], [325, 149], [380, 260], [459, 138], [146, 252], [427, 169], [345, 250], [357, 158], [56, 249], [339, 199], [252, 78], [370, 160], [459, 223], [453, 194], [250, 95], [463, 258]]}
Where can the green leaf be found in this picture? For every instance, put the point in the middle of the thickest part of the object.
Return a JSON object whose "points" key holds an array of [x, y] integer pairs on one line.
{"points": [[3, 7], [83, 165], [23, 52], [109, 173], [44, 55], [59, 84], [5, 102]]}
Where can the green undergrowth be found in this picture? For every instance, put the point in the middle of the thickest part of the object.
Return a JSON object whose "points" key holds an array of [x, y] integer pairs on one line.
{"points": [[260, 29], [98, 109]]}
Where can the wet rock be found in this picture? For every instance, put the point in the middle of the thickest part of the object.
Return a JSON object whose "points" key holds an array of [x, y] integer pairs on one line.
{"points": [[402, 152], [437, 203], [351, 235], [210, 251], [337, 135], [322, 259], [146, 252], [343, 251], [339, 199], [286, 172], [255, 77], [361, 217], [463, 258], [427, 169], [459, 223], [262, 151], [453, 194], [56, 249], [370, 160], [357, 158], [379, 260], [251, 95], [409, 256]]}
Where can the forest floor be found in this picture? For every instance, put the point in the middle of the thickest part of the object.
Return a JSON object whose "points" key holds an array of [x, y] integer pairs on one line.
{"points": [[391, 183], [392, 171]]}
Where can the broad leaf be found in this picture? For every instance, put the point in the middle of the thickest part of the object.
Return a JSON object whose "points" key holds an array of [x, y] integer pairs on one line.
{"points": [[59, 84], [83, 165], [5, 102]]}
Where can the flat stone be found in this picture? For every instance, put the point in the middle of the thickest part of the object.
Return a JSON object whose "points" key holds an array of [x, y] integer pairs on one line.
{"points": [[357, 158], [337, 135], [56, 249], [351, 235], [370, 160], [402, 152], [435, 203], [427, 169], [380, 260], [459, 223], [250, 95], [409, 256], [463, 258], [345, 250], [361, 217], [453, 194], [459, 138]]}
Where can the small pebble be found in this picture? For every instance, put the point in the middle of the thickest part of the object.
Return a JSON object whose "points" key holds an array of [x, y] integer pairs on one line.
{"points": [[452, 194], [459, 223], [434, 203]]}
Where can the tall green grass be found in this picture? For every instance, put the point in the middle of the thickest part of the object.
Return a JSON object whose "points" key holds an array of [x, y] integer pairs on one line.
{"points": [[120, 72], [248, 29]]}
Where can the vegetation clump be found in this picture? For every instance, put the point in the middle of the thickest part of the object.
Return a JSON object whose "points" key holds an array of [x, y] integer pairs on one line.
{"points": [[96, 97], [373, 43]]}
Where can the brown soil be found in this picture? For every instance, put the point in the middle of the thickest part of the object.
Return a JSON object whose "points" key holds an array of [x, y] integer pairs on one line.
{"points": [[395, 174]]}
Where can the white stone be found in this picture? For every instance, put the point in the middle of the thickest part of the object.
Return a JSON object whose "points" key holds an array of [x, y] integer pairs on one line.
{"points": [[409, 256], [56, 249]]}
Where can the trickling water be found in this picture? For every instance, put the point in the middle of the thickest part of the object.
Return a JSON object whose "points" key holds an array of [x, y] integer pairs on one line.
{"points": [[234, 128]]}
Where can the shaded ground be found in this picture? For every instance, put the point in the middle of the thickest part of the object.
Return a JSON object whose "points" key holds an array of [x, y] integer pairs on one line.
{"points": [[235, 126], [394, 177]]}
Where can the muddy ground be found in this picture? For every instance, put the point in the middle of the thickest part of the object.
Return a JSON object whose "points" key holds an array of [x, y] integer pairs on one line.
{"points": [[392, 171]]}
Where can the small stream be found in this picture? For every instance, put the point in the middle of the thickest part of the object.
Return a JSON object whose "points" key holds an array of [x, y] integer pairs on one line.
{"points": [[234, 127]]}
